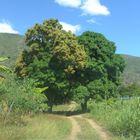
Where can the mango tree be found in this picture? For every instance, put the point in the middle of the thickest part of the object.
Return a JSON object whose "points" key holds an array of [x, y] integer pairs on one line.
{"points": [[52, 56], [102, 73]]}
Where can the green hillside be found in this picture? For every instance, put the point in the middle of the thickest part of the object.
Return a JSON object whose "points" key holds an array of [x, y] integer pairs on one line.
{"points": [[11, 45], [132, 70]]}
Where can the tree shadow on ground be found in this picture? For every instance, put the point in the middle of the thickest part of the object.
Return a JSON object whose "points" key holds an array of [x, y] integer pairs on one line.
{"points": [[69, 113]]}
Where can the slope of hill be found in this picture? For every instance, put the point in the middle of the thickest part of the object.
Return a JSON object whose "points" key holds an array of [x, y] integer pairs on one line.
{"points": [[11, 45], [132, 71]]}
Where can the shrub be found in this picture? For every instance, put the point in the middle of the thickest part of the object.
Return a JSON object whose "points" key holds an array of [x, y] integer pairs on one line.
{"points": [[20, 96], [131, 90]]}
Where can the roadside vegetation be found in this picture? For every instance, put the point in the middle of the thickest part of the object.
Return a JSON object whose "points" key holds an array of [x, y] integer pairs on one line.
{"points": [[121, 117], [48, 127]]}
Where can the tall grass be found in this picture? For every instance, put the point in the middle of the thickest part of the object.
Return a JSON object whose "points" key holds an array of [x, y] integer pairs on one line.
{"points": [[48, 127], [39, 127], [120, 117]]}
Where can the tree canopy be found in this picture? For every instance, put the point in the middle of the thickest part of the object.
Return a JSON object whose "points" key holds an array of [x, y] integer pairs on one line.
{"points": [[102, 73], [52, 56], [70, 67]]}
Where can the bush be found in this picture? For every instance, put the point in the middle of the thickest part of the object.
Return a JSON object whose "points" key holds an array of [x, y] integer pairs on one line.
{"points": [[120, 117], [20, 96], [131, 90]]}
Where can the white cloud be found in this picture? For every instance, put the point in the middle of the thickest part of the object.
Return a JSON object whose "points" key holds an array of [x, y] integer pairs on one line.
{"points": [[69, 27], [94, 7], [92, 21], [69, 3], [89, 7], [7, 28]]}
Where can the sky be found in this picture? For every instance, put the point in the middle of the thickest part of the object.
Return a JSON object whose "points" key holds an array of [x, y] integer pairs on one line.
{"points": [[118, 20]]}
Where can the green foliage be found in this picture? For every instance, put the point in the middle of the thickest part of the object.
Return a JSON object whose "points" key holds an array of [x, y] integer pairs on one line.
{"points": [[3, 59], [16, 96], [96, 88], [52, 56], [2, 67], [131, 90], [103, 88], [102, 73], [40, 90], [81, 94], [11, 45], [102, 60], [120, 117]]}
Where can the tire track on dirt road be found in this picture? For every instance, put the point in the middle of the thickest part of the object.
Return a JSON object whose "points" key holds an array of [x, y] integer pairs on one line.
{"points": [[76, 129], [98, 129]]}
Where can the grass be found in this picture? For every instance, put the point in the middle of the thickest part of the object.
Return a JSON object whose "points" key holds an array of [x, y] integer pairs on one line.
{"points": [[118, 118], [61, 108], [122, 118], [87, 132], [48, 127], [11, 132], [40, 127], [13, 127]]}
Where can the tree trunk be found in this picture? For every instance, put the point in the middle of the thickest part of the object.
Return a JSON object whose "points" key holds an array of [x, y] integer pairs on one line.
{"points": [[50, 108], [84, 106]]}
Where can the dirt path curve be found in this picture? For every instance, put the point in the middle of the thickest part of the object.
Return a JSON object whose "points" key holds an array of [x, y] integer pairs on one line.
{"points": [[72, 107], [98, 129], [76, 129]]}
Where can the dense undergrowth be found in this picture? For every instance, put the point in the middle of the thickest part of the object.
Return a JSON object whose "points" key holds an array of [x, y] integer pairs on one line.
{"points": [[21, 113], [121, 117], [18, 98]]}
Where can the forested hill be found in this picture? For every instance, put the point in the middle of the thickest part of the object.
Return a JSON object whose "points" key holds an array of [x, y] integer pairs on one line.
{"points": [[132, 70], [12, 44]]}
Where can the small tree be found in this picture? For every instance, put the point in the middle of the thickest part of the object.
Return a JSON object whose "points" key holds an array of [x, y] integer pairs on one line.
{"points": [[102, 88], [81, 96]]}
